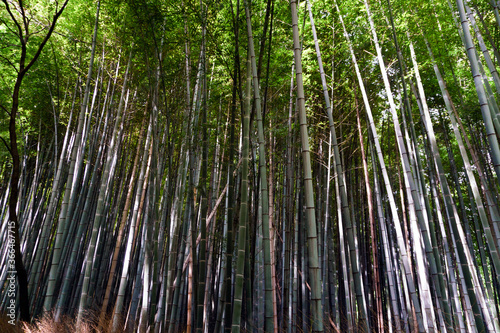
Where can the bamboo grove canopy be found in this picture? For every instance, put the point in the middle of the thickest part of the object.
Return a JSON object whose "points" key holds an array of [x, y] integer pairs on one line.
{"points": [[179, 166]]}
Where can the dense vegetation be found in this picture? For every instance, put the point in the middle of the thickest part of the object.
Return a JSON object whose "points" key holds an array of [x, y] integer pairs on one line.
{"points": [[251, 165]]}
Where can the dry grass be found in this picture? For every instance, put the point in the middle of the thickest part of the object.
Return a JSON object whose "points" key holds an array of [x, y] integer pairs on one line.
{"points": [[47, 324], [5, 327]]}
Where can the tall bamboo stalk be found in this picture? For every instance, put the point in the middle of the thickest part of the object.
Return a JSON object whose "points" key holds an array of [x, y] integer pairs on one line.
{"points": [[263, 180], [243, 218], [312, 237]]}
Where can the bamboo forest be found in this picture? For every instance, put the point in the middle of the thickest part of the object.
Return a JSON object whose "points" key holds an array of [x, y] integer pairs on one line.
{"points": [[250, 166]]}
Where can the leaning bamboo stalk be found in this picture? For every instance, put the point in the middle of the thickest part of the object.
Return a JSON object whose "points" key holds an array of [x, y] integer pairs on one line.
{"points": [[488, 34], [484, 50], [485, 111], [494, 5], [61, 225], [425, 220], [85, 205], [482, 213], [75, 205], [123, 221], [405, 158], [397, 224], [107, 175], [295, 283], [47, 222], [425, 211], [423, 107], [117, 312], [455, 119]]}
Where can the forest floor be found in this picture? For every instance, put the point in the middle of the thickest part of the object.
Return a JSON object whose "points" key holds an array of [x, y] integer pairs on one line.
{"points": [[49, 325]]}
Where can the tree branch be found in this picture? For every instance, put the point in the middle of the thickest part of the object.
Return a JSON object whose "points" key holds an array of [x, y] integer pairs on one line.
{"points": [[6, 145], [25, 20], [5, 109], [9, 63], [49, 33], [4, 22], [20, 30]]}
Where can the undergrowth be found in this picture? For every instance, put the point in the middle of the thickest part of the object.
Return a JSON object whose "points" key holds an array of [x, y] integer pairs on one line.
{"points": [[48, 324]]}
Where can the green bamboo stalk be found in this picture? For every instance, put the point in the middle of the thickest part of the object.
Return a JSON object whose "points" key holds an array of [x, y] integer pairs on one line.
{"points": [[484, 50], [141, 181], [204, 208], [179, 281], [263, 180], [376, 282], [288, 222], [312, 238], [488, 34], [485, 110], [494, 5], [450, 272], [344, 257], [272, 144], [243, 215], [385, 241]]}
